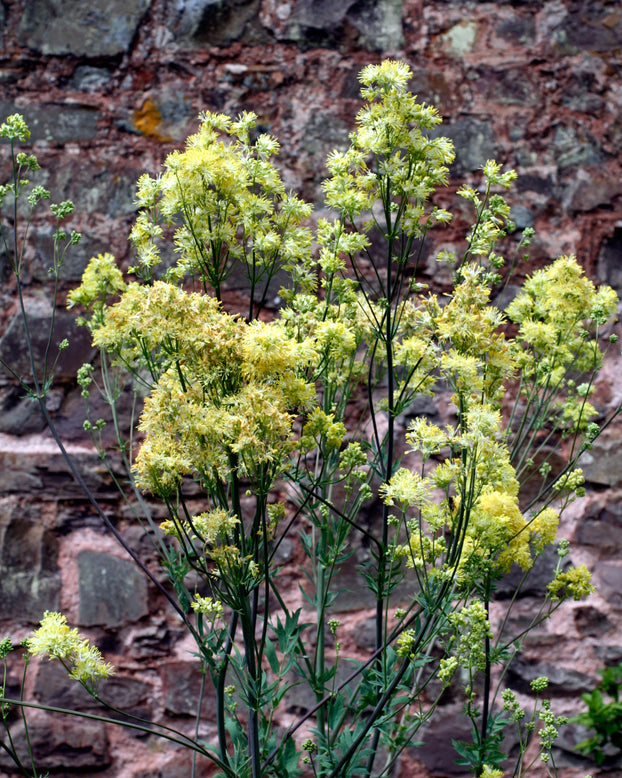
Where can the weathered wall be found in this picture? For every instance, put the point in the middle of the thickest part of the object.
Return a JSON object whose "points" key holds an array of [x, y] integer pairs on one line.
{"points": [[108, 88]]}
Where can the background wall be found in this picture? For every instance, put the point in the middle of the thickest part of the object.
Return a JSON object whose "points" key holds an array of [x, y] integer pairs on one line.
{"points": [[108, 89]]}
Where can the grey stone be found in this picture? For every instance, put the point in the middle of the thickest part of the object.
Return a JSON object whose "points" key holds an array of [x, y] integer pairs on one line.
{"points": [[603, 463], [574, 146], [38, 466], [592, 26], [28, 565], [581, 89], [590, 621], [174, 764], [102, 29], [54, 687], [19, 415], [590, 188], [436, 752], [609, 266], [365, 634], [531, 182], [96, 188], [113, 591], [69, 419], [474, 143], [517, 29], [182, 682], [62, 743], [56, 123], [217, 22], [422, 405], [320, 136], [521, 216], [372, 24], [430, 86], [608, 579], [565, 753], [165, 115], [509, 86], [562, 680], [536, 582], [14, 343], [152, 641], [86, 78], [609, 655], [505, 296], [604, 531], [42, 259], [300, 697]]}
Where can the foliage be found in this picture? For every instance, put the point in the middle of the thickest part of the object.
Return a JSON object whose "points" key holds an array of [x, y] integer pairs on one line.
{"points": [[603, 715], [252, 432]]}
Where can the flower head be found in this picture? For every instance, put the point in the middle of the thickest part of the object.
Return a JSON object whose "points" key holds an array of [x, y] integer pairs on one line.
{"points": [[57, 640]]}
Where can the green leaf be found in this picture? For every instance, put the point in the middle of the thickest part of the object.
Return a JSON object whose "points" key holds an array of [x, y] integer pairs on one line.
{"points": [[271, 656]]}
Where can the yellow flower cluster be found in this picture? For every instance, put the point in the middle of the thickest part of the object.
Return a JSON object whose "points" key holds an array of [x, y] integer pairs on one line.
{"points": [[207, 607], [100, 280], [392, 130], [322, 430], [226, 201], [481, 500], [556, 310], [219, 386], [471, 627], [575, 582], [477, 359], [57, 640]]}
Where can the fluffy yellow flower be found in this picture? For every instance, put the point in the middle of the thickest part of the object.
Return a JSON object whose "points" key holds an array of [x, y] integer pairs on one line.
{"points": [[406, 488], [57, 640], [499, 530], [575, 582], [543, 529]]}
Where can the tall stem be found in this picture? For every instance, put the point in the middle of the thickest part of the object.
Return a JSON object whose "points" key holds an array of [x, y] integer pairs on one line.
{"points": [[252, 690], [486, 699]]}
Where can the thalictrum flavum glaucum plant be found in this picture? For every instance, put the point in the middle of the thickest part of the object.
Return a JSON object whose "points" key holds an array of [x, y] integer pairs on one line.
{"points": [[263, 428]]}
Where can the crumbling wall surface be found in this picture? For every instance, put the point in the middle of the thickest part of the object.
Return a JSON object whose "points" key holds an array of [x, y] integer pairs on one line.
{"points": [[108, 88]]}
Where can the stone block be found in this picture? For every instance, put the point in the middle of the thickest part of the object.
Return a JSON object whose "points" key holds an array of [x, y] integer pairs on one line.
{"points": [[609, 267], [473, 140], [562, 680], [151, 641], [54, 687], [538, 578], [60, 27], [28, 565], [608, 580], [590, 621], [76, 258], [217, 22], [56, 123], [62, 744], [436, 753], [373, 24], [14, 342], [591, 26], [176, 763], [603, 464], [86, 78], [572, 146], [182, 683], [166, 115], [19, 415], [113, 591], [604, 531]]}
